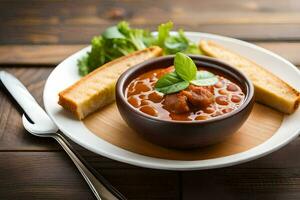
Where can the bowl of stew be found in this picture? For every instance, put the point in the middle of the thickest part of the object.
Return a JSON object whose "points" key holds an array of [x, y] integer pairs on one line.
{"points": [[194, 117]]}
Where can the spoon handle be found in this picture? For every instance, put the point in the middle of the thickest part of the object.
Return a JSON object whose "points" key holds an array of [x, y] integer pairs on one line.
{"points": [[100, 187]]}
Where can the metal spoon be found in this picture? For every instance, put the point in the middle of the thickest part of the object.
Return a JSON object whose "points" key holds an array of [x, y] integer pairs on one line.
{"points": [[43, 126]]}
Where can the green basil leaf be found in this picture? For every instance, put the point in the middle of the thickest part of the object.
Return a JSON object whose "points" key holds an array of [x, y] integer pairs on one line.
{"points": [[174, 88], [167, 80], [202, 74], [185, 67], [113, 33], [206, 81]]}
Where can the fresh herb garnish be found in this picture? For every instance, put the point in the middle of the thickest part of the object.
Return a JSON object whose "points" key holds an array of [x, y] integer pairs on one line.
{"points": [[202, 74], [205, 81], [167, 80], [120, 40], [185, 67], [185, 74], [205, 78], [176, 87]]}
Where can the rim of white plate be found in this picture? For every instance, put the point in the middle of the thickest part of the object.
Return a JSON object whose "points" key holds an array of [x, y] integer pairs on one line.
{"points": [[78, 133]]}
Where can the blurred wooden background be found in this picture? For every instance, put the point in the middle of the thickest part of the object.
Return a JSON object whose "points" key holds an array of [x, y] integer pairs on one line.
{"points": [[36, 35]]}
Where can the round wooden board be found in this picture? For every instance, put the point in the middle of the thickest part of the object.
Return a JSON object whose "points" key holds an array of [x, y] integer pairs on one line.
{"points": [[260, 126]]}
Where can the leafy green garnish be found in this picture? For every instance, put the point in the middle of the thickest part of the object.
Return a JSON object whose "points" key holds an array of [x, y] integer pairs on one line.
{"points": [[184, 74], [134, 36], [205, 78], [96, 55], [115, 41], [205, 82], [174, 88], [168, 79], [185, 67], [113, 33], [163, 33], [83, 65], [175, 43], [121, 39], [202, 74]]}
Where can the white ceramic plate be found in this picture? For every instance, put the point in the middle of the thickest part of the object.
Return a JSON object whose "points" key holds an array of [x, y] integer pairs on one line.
{"points": [[66, 73]]}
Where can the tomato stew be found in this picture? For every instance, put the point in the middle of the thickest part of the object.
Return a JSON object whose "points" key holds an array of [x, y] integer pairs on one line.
{"points": [[193, 103]]}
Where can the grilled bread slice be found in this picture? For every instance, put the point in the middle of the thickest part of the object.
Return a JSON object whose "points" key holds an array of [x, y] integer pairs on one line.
{"points": [[97, 89], [269, 89]]}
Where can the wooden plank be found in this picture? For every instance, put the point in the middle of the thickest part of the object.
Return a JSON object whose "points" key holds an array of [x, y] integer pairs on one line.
{"points": [[53, 54], [233, 183], [288, 50], [36, 54], [100, 11], [23, 176], [77, 21], [264, 178], [270, 177], [51, 175], [40, 176]]}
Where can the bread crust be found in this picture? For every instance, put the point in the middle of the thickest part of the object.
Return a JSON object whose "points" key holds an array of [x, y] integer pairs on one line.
{"points": [[80, 109], [269, 89]]}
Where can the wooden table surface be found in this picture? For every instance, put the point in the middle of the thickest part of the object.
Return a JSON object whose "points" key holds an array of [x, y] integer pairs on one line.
{"points": [[36, 35]]}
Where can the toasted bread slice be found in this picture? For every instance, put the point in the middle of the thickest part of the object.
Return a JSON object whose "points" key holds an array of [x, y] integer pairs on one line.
{"points": [[269, 89], [97, 89]]}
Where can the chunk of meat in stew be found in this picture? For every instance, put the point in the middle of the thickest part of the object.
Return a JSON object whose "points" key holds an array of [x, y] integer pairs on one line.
{"points": [[195, 96], [176, 103], [200, 97]]}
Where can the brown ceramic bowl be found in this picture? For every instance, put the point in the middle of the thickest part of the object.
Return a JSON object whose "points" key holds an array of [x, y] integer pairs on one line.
{"points": [[185, 134]]}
